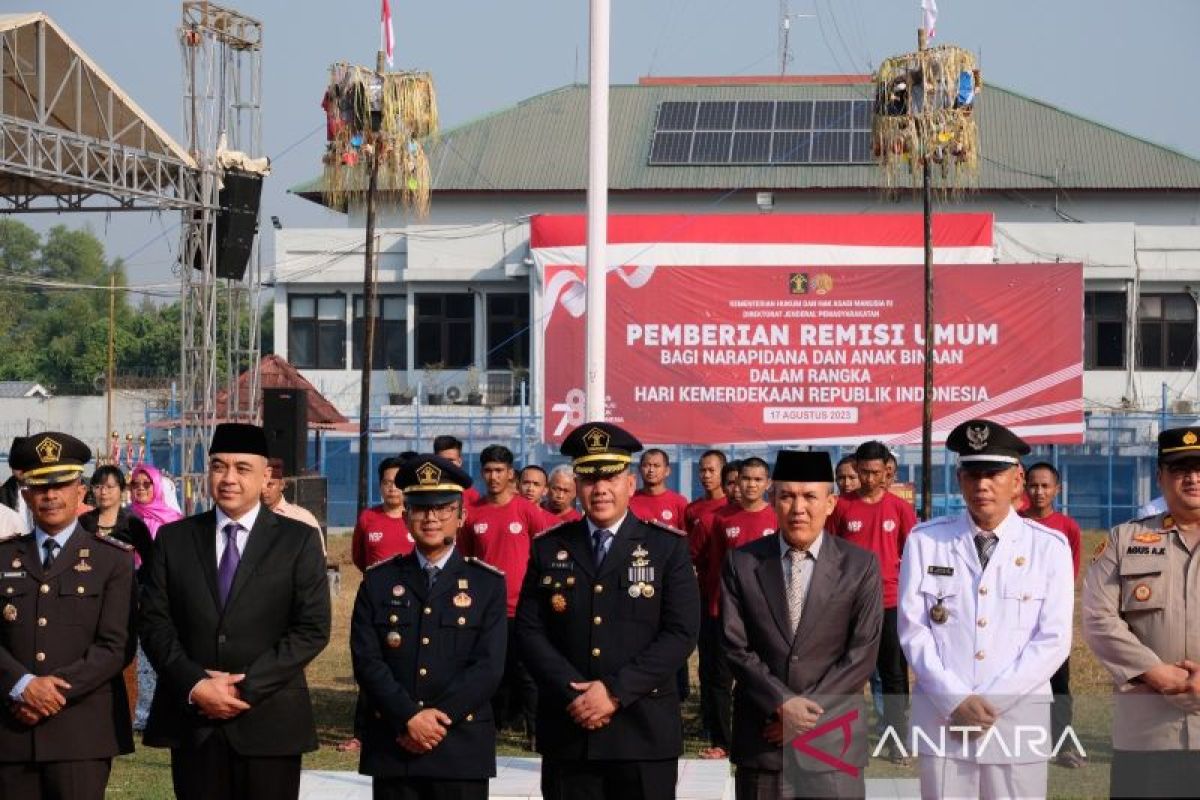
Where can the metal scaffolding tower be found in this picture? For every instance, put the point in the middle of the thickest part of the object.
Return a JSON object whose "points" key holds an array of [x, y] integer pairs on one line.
{"points": [[222, 61]]}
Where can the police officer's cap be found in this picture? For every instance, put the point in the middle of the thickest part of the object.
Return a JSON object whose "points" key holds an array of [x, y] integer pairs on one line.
{"points": [[429, 480], [599, 449], [801, 466], [1176, 444], [985, 445], [239, 437], [49, 458]]}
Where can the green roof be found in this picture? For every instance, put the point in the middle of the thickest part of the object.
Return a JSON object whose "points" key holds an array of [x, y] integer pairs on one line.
{"points": [[540, 145]]}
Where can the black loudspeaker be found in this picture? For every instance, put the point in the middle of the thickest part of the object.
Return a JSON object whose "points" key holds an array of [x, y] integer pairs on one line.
{"points": [[237, 223], [285, 421], [311, 492]]}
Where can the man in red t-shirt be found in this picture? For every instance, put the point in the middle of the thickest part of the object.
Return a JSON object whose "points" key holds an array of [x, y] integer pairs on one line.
{"points": [[450, 448], [499, 529], [714, 669], [380, 532], [1042, 485], [560, 494], [654, 501], [878, 521]]}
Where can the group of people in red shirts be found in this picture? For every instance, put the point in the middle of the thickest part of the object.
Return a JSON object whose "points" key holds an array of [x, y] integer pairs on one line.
{"points": [[732, 510]]}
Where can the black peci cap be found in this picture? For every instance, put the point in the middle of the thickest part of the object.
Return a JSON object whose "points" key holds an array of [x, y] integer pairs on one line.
{"points": [[600, 448], [985, 445], [801, 466], [239, 437], [429, 480]]}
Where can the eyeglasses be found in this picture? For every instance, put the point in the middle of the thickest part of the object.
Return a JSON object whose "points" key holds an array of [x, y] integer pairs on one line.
{"points": [[437, 512], [139, 485]]}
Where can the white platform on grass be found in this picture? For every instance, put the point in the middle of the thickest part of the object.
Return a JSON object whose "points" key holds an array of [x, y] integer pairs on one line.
{"points": [[518, 779]]}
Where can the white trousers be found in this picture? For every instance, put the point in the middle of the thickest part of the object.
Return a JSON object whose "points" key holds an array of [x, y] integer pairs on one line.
{"points": [[954, 779]]}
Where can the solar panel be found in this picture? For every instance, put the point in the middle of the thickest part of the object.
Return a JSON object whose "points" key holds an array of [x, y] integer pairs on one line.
{"points": [[834, 131]]}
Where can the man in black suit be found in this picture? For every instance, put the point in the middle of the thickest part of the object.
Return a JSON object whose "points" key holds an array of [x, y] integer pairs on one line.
{"points": [[428, 639], [802, 614], [67, 632], [609, 612], [236, 604]]}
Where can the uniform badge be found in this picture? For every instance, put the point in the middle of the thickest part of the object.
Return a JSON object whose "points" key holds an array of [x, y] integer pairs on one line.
{"points": [[16, 563], [462, 584], [1168, 522], [1019, 561], [570, 580], [462, 600], [1148, 538], [561, 555], [10, 613], [546, 580], [1100, 548], [943, 571], [84, 552], [647, 590], [559, 603], [397, 591], [393, 639], [82, 566], [939, 613], [635, 590], [1141, 593]]}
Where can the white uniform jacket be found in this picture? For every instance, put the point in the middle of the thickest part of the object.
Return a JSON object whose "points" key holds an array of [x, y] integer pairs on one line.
{"points": [[1006, 630]]}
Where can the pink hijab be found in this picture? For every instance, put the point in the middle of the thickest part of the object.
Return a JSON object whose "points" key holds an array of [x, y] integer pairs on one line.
{"points": [[157, 512]]}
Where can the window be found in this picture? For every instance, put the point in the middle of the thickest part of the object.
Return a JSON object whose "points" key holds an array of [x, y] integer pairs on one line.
{"points": [[317, 331], [1167, 331], [1104, 330], [507, 331], [391, 332], [445, 330]]}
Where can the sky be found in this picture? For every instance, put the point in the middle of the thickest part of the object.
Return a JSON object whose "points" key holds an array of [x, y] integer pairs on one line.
{"points": [[1124, 64]]}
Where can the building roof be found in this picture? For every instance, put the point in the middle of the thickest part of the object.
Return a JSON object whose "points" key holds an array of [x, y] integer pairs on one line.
{"points": [[274, 372], [12, 389], [540, 144]]}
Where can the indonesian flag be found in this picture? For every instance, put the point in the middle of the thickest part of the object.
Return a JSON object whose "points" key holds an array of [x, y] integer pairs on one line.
{"points": [[928, 8], [387, 39]]}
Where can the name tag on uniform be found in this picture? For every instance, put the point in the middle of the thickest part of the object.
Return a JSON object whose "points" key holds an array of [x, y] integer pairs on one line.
{"points": [[943, 571], [20, 574]]}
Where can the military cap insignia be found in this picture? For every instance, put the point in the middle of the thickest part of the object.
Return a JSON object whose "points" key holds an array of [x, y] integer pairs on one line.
{"points": [[1189, 438], [48, 450], [596, 440], [977, 437], [428, 474]]}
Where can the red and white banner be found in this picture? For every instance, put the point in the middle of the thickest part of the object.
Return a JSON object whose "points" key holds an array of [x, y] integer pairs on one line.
{"points": [[807, 329]]}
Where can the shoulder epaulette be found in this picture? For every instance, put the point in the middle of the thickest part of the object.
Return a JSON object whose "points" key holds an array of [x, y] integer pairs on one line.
{"points": [[117, 543], [479, 562], [554, 527], [383, 561], [658, 523]]}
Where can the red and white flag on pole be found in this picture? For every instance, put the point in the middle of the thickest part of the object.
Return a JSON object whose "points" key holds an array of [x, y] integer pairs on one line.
{"points": [[928, 9], [387, 39]]}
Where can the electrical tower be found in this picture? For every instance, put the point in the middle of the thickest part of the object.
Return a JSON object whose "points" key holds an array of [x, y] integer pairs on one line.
{"points": [[222, 98]]}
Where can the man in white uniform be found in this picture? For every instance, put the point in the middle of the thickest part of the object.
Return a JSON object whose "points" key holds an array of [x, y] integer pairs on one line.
{"points": [[985, 619]]}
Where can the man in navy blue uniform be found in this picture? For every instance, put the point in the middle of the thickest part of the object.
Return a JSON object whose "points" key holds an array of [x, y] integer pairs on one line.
{"points": [[609, 612], [428, 640]]}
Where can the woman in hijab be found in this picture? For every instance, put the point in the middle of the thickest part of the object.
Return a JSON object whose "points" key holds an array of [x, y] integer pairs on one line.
{"points": [[148, 502], [148, 499]]}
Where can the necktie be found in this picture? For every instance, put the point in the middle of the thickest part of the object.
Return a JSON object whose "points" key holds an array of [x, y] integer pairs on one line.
{"points": [[797, 586], [599, 544], [51, 548], [230, 559], [432, 571], [985, 545]]}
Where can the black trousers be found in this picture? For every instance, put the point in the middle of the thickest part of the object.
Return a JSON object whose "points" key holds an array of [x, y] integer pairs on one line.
{"points": [[893, 675], [1063, 709], [427, 789], [55, 780], [1154, 773], [609, 780], [515, 702], [716, 684], [213, 771], [759, 784]]}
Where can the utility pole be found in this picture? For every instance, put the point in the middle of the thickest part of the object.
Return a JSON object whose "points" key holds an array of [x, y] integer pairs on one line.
{"points": [[112, 326], [369, 272], [927, 395], [595, 362]]}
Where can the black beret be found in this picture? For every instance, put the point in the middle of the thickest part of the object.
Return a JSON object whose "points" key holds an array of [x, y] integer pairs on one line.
{"points": [[802, 466], [600, 448], [49, 458], [982, 444], [239, 437], [429, 480], [1176, 444]]}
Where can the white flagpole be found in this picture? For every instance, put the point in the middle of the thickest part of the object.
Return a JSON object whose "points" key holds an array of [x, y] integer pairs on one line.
{"points": [[597, 208]]}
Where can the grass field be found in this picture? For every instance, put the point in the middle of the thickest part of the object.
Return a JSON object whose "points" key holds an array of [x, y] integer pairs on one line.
{"points": [[146, 775]]}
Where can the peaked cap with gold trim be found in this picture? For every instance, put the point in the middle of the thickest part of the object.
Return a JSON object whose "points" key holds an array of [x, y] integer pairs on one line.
{"points": [[599, 448], [429, 480], [1176, 444], [50, 458], [985, 445]]}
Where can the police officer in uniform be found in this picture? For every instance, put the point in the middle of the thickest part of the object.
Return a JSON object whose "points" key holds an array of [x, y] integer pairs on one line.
{"points": [[66, 632], [609, 612], [1141, 599], [985, 619], [428, 641]]}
